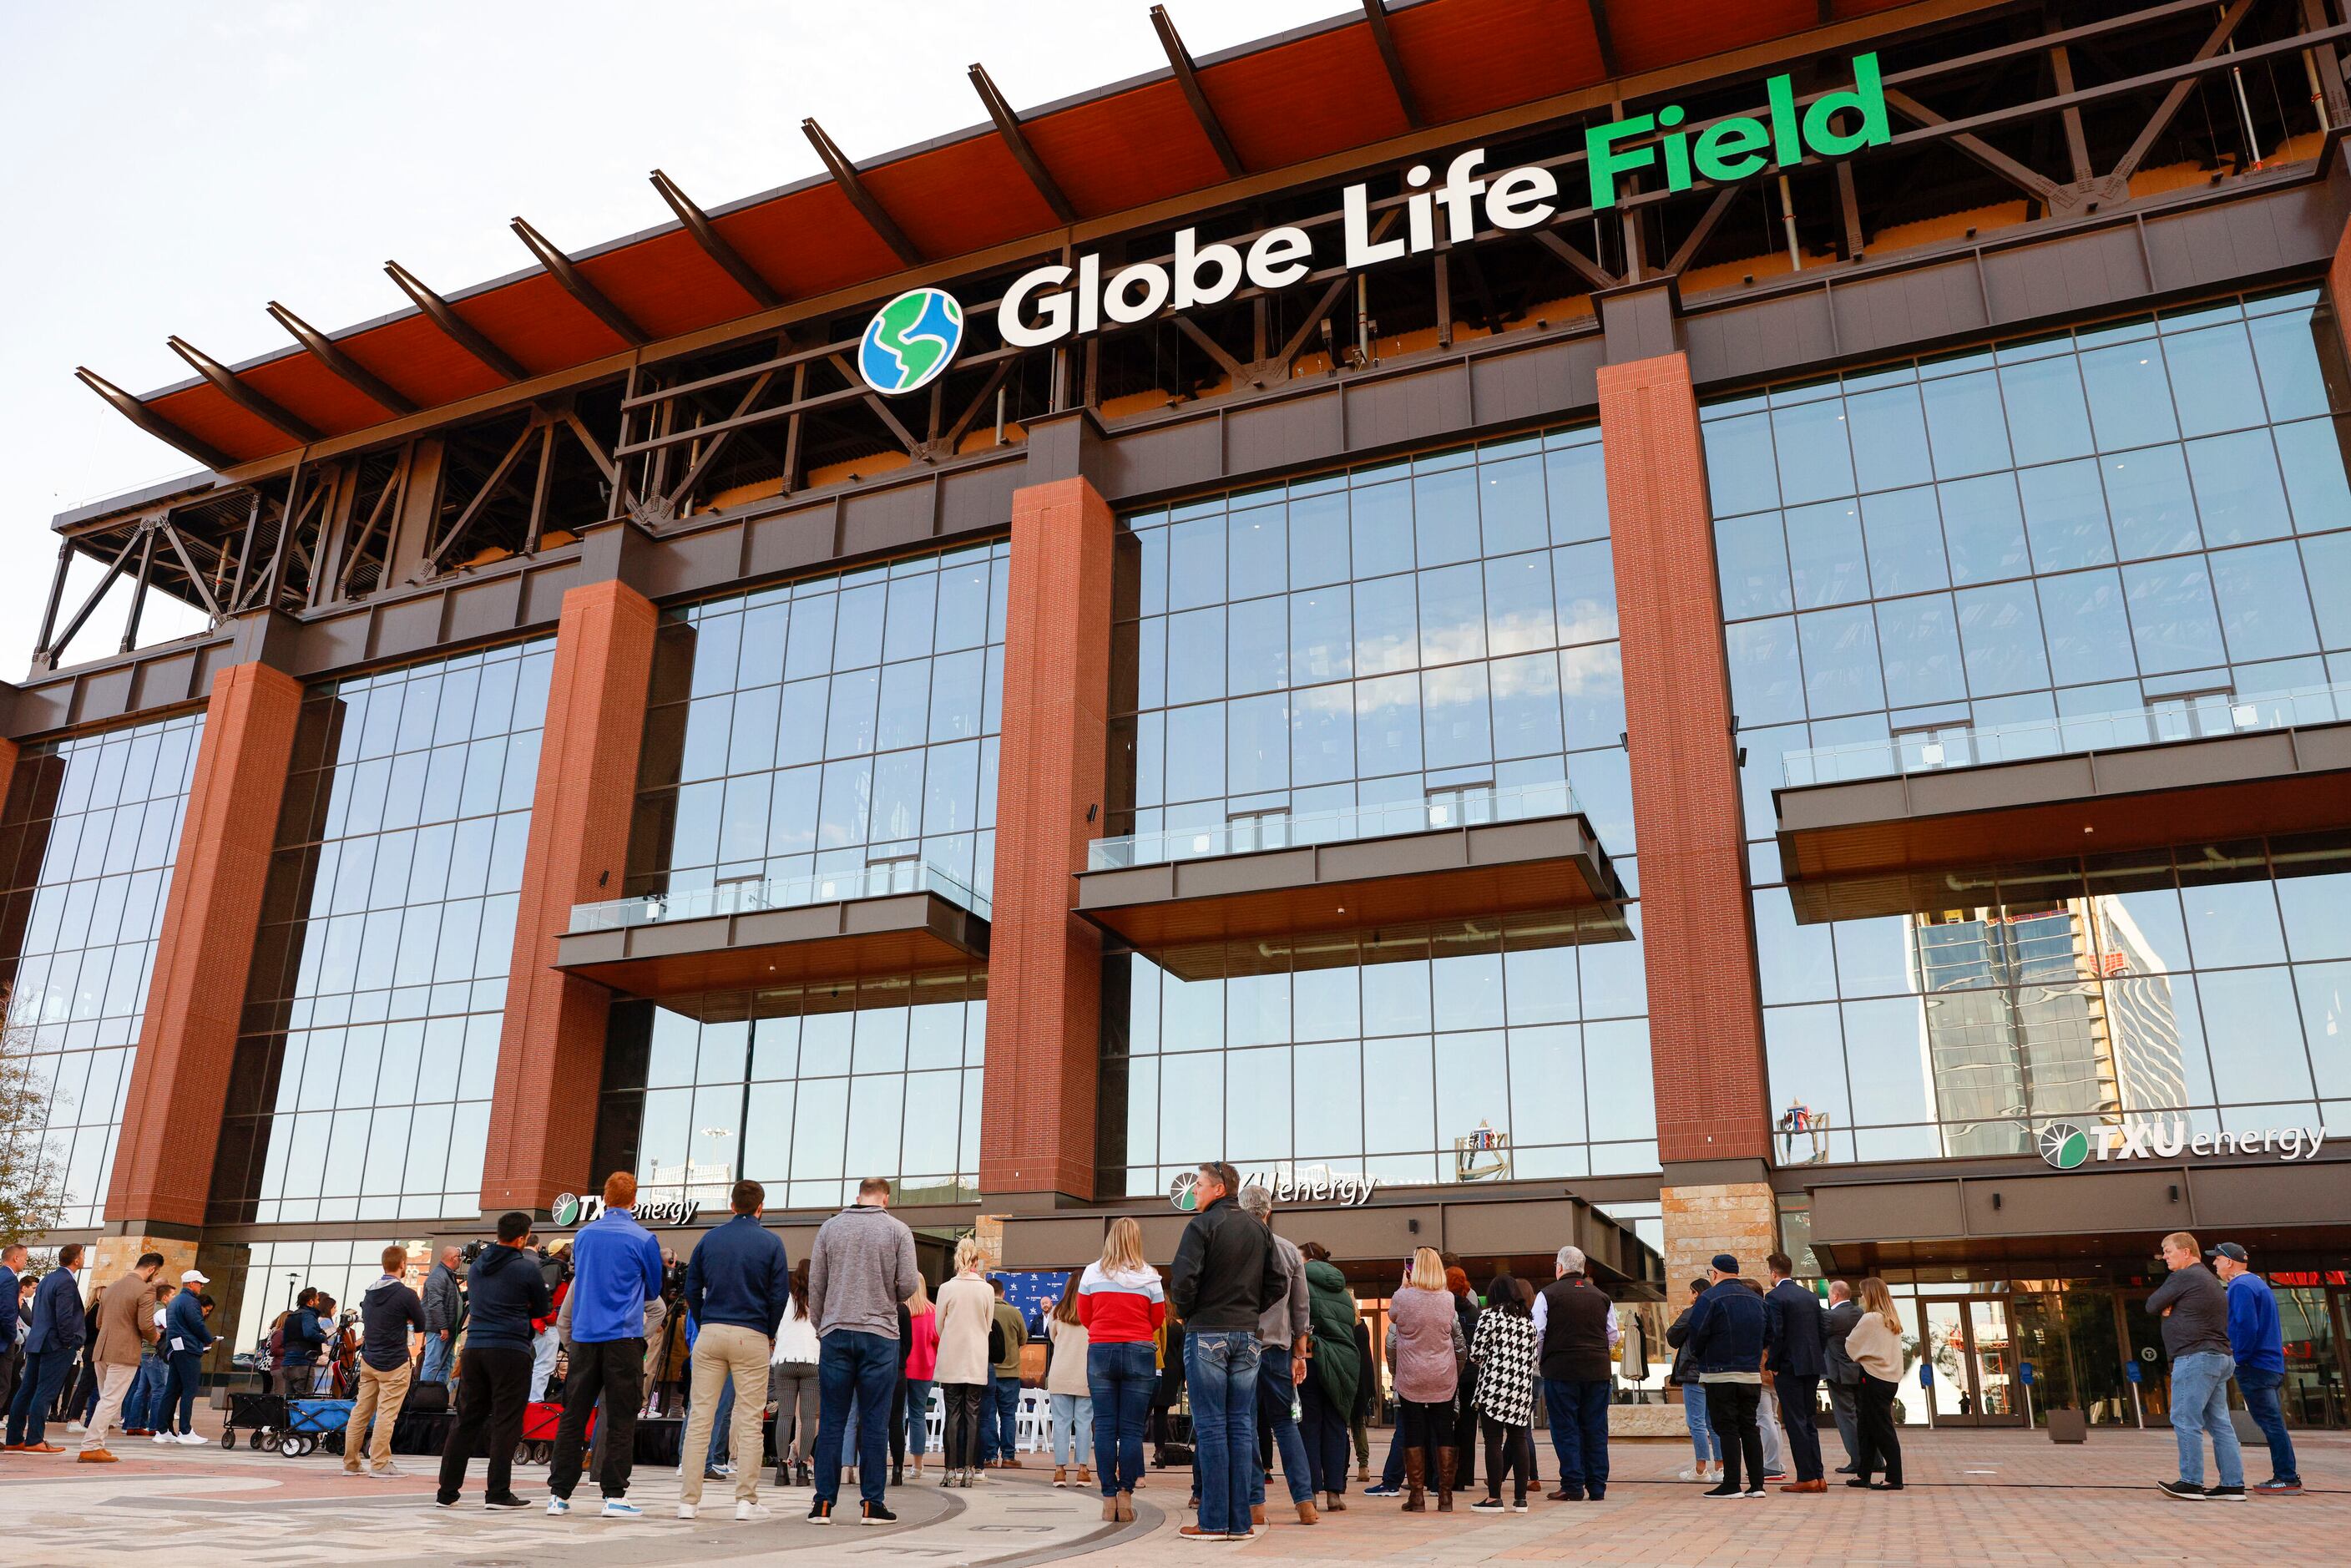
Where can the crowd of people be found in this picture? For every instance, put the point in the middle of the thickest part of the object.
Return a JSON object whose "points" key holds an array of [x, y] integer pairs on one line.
{"points": [[1264, 1335]]}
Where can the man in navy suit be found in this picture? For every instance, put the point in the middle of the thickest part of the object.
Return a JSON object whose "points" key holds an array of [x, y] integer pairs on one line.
{"points": [[51, 1346], [1796, 1327]]}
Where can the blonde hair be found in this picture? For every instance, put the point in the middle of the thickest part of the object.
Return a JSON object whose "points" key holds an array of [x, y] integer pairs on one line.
{"points": [[920, 1302], [1427, 1269], [1876, 1298], [970, 1257], [1123, 1246]]}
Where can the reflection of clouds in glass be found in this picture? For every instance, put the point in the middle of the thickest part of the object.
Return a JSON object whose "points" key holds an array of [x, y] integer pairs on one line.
{"points": [[1521, 631], [1384, 653], [1592, 672], [1586, 619], [1453, 687], [1374, 699]]}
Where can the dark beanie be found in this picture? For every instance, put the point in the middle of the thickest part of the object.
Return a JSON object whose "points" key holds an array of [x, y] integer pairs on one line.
{"points": [[1725, 1264]]}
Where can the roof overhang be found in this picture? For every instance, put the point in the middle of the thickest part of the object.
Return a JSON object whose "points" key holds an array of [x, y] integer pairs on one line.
{"points": [[1875, 846], [2043, 1216], [1481, 873], [847, 939]]}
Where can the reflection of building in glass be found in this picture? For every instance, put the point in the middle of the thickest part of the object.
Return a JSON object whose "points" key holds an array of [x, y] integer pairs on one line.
{"points": [[2149, 1071], [2020, 1029], [705, 1181]]}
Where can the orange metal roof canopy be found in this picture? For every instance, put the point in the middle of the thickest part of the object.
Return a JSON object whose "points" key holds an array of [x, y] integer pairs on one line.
{"points": [[1308, 94]]}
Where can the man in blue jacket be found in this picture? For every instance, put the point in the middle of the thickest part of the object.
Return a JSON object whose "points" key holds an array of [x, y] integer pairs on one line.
{"points": [[494, 1375], [1725, 1351], [2257, 1342], [186, 1337], [1796, 1327], [298, 1362], [12, 1265], [52, 1343], [737, 1283], [616, 1266]]}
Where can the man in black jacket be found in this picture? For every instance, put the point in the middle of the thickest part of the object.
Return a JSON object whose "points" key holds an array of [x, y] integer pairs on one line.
{"points": [[1226, 1275], [1575, 1332], [506, 1290], [297, 1365], [388, 1310], [1797, 1330], [1843, 1374]]}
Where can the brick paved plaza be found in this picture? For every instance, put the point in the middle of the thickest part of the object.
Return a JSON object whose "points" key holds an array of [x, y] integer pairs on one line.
{"points": [[1973, 1498]]}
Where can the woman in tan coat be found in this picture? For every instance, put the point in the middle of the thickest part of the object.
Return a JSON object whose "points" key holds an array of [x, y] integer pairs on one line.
{"points": [[966, 1307]]}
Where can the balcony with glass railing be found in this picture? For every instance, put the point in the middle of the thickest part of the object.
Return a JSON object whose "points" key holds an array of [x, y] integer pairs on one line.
{"points": [[1479, 855], [1870, 828], [891, 917]]}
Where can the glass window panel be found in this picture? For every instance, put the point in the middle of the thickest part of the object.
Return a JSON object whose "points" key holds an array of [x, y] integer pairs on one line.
{"points": [[1380, 517], [2153, 509], [1257, 550], [1322, 642], [848, 794], [2174, 624], [1387, 726], [1577, 480], [1919, 641], [2238, 492], [1256, 1106], [2000, 636], [1742, 474], [1195, 752], [1399, 1094], [1258, 646], [2311, 454], [1519, 615], [1318, 539], [1751, 556], [1905, 533], [1824, 554], [1966, 425], [2047, 417], [849, 715], [2230, 922], [2213, 385], [1805, 1063], [857, 630], [1884, 1050], [1512, 511], [1983, 529], [1195, 655], [1585, 579], [2130, 399], [1444, 506], [2065, 517], [2089, 636], [1841, 661], [2328, 562], [1797, 962], [1889, 438], [2249, 1025], [904, 715], [1766, 684], [1815, 461], [1256, 754], [2264, 606], [2284, 345]]}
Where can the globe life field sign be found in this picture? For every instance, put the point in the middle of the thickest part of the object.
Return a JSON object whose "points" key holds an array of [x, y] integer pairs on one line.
{"points": [[913, 337]]}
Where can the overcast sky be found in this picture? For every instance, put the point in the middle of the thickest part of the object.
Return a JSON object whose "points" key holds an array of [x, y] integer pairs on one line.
{"points": [[168, 167]]}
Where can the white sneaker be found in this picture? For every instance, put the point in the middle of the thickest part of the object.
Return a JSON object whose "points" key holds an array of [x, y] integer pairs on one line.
{"points": [[747, 1512], [727, 1468], [685, 1511], [193, 1437], [77, 1429], [557, 1507], [165, 1437], [618, 1508]]}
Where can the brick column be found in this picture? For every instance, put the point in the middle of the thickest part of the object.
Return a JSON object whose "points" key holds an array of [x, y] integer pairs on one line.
{"points": [[178, 1078], [1044, 964], [551, 1047], [1706, 1036]]}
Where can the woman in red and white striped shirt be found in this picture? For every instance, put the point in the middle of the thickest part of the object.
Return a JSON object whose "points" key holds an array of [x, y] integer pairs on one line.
{"points": [[1121, 1304]]}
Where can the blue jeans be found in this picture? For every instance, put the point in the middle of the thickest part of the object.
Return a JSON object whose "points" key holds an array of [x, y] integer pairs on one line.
{"points": [[999, 1418], [863, 1367], [918, 1416], [1702, 1436], [2200, 1405], [718, 1427], [1275, 1388], [141, 1407], [1122, 1378], [436, 1360], [44, 1373], [1220, 1370], [1073, 1429], [180, 1402], [1579, 1433], [2261, 1392]]}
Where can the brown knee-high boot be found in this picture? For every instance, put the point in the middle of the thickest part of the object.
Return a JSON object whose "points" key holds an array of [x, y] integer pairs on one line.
{"points": [[1446, 1459], [1416, 1480]]}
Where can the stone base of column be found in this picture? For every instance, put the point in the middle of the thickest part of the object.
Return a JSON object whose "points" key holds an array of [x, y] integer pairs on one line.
{"points": [[1709, 1210], [118, 1251]]}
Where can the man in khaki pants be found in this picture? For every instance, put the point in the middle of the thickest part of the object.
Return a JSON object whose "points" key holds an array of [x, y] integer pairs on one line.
{"points": [[388, 1310], [126, 1322], [737, 1283]]}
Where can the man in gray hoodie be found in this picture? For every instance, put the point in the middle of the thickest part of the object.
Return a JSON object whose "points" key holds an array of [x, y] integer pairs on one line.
{"points": [[860, 1270], [1281, 1338]]}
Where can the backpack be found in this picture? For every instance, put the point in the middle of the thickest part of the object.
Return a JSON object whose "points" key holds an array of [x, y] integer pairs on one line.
{"points": [[995, 1347]]}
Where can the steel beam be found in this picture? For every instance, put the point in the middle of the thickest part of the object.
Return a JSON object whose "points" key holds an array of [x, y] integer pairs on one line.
{"points": [[599, 304], [1602, 37], [153, 424], [1187, 77], [1016, 142], [1375, 16], [324, 350], [714, 246], [462, 332], [266, 410], [869, 207]]}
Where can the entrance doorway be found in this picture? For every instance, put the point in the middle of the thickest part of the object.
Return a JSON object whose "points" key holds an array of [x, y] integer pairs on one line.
{"points": [[1971, 1344]]}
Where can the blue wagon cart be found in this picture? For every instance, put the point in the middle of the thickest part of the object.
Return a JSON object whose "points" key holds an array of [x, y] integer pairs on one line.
{"points": [[314, 1424]]}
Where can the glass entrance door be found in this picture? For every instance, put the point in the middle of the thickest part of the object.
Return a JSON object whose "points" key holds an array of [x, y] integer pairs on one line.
{"points": [[1971, 1344]]}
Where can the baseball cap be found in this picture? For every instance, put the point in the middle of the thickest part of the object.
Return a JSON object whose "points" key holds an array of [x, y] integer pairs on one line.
{"points": [[193, 1277], [2231, 1250]]}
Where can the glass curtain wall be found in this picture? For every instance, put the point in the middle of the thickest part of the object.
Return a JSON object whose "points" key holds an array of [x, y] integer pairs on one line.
{"points": [[827, 726], [2148, 521], [1401, 635], [87, 840], [361, 1083]]}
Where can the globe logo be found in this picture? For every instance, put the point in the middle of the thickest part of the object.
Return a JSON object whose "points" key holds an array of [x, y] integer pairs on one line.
{"points": [[1180, 1193], [911, 340], [2063, 1144], [565, 1209]]}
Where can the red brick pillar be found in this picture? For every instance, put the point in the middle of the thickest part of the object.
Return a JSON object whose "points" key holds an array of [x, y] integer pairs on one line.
{"points": [[178, 1078], [551, 1049], [1044, 963], [1706, 1037]]}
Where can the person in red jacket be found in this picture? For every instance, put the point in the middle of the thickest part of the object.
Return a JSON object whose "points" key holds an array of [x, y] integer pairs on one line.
{"points": [[1121, 1304], [544, 1338]]}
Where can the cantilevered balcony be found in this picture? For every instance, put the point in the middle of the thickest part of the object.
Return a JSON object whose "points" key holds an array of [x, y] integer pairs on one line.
{"points": [[1479, 857], [1862, 827], [886, 919]]}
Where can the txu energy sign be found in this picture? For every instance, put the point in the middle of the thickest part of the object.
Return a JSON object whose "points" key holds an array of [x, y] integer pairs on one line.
{"points": [[1048, 304]]}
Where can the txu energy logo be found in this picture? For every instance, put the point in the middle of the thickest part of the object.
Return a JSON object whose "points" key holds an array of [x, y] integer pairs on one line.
{"points": [[2063, 1145], [911, 340]]}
